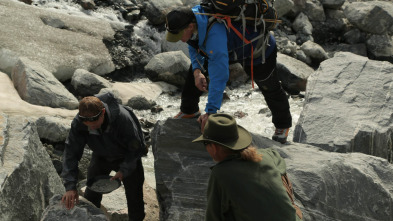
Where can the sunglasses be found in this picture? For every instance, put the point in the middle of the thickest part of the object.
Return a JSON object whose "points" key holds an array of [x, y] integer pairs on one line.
{"points": [[90, 119], [206, 143]]}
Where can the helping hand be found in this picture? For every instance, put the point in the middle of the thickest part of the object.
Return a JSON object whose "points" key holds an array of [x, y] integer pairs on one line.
{"points": [[202, 121], [70, 199], [118, 175], [200, 80]]}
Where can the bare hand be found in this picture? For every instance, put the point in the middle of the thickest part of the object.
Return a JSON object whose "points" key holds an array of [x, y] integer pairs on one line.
{"points": [[118, 175], [200, 80], [70, 199], [202, 121]]}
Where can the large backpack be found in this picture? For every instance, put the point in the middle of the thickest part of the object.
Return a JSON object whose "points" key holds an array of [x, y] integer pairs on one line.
{"points": [[259, 14]]}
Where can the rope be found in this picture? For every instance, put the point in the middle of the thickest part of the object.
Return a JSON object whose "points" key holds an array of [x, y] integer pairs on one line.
{"points": [[229, 23]]}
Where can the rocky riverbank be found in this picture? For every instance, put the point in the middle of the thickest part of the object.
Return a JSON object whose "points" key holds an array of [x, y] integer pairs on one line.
{"points": [[338, 53]]}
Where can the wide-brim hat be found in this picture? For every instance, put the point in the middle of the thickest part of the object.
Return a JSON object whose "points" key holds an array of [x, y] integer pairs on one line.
{"points": [[222, 129], [176, 21]]}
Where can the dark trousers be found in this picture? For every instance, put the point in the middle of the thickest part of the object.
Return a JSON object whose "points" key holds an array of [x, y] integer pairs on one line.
{"points": [[133, 185], [265, 76]]}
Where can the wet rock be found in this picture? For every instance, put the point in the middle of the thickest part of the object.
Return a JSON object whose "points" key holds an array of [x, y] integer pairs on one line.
{"points": [[140, 103]]}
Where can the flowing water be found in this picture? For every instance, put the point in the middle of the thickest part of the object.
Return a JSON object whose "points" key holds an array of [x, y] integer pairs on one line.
{"points": [[257, 117]]}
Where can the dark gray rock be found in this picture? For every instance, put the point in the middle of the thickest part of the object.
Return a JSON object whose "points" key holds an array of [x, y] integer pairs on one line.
{"points": [[354, 36], [334, 4], [140, 103], [380, 47], [86, 83], [293, 73], [371, 16], [348, 106], [181, 168], [157, 9], [326, 184]]}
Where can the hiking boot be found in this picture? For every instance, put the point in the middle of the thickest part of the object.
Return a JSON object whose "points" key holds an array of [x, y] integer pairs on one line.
{"points": [[280, 135], [182, 115]]}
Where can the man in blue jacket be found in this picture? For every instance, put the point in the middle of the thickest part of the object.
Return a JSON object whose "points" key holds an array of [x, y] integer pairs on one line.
{"points": [[114, 135], [211, 51]]}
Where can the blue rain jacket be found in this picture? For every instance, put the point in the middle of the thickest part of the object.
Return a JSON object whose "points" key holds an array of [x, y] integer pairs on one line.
{"points": [[220, 40]]}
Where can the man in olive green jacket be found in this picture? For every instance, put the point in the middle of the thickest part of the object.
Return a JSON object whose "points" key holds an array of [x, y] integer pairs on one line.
{"points": [[245, 184]]}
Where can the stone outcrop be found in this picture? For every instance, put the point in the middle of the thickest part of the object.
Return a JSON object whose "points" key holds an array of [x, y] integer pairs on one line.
{"points": [[77, 43], [326, 184], [27, 177], [348, 107], [38, 86], [12, 104]]}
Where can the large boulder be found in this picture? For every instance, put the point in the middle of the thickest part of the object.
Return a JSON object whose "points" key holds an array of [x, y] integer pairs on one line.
{"points": [[86, 83], [171, 67], [292, 73], [371, 16], [62, 43], [12, 104], [326, 184], [348, 106], [38, 86], [27, 177]]}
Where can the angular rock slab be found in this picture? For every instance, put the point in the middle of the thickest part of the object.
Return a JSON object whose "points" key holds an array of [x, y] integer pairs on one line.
{"points": [[75, 42], [27, 177], [327, 186], [293, 73], [181, 169], [348, 106], [38, 86]]}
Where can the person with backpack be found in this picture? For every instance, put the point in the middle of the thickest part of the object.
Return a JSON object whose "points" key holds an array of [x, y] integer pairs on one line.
{"points": [[114, 135], [212, 47], [261, 189]]}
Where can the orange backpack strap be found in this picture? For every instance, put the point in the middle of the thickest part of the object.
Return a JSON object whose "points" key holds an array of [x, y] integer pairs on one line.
{"points": [[229, 24], [288, 186]]}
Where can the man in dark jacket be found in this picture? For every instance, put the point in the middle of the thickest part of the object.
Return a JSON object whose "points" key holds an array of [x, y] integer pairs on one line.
{"points": [[114, 135], [246, 184], [212, 46]]}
